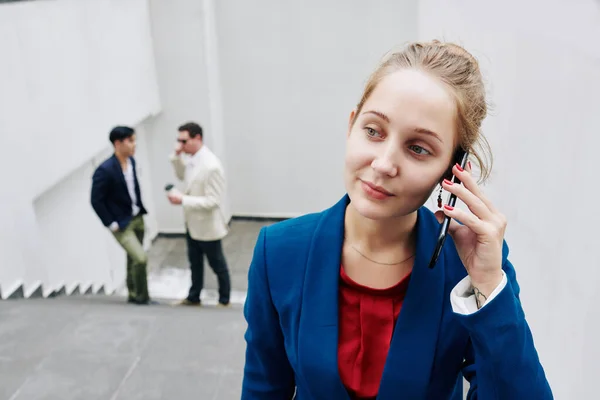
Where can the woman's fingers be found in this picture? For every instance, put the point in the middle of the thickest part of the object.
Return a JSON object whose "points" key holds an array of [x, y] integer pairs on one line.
{"points": [[440, 215], [470, 183], [475, 204], [483, 219], [468, 219]]}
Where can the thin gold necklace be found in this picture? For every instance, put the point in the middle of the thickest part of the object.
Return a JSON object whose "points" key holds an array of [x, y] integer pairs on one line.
{"points": [[378, 262]]}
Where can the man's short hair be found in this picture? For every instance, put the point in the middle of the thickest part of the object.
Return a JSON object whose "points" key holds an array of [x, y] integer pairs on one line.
{"points": [[192, 128], [120, 133]]}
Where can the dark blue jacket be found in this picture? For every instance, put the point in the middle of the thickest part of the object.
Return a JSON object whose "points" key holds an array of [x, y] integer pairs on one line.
{"points": [[292, 314], [110, 198]]}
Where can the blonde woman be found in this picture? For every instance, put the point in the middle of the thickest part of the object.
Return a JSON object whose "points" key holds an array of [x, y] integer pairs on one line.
{"points": [[342, 305]]}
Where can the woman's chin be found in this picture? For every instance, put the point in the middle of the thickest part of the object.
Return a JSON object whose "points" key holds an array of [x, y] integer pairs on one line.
{"points": [[372, 210]]}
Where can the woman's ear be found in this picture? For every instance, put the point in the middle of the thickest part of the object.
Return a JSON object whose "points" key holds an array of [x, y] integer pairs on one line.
{"points": [[351, 121], [456, 158], [447, 174]]}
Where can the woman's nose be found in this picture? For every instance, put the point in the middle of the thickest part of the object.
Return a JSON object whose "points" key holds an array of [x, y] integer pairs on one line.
{"points": [[385, 165]]}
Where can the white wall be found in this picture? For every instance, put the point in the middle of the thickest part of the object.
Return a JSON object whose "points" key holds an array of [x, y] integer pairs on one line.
{"points": [[542, 61], [70, 71], [187, 84], [73, 248], [272, 87], [291, 73]]}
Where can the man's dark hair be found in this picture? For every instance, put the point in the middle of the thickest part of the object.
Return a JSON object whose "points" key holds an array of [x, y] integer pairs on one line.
{"points": [[120, 133], [192, 128]]}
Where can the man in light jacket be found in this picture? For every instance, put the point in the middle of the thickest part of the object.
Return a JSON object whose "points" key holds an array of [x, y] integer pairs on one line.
{"points": [[203, 207]]}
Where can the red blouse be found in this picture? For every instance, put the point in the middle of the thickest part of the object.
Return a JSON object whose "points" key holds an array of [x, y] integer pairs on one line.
{"points": [[367, 320]]}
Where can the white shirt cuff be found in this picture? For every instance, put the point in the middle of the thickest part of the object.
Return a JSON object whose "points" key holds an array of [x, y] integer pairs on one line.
{"points": [[462, 299]]}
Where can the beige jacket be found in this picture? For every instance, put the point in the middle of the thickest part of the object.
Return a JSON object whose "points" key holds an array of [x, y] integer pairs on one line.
{"points": [[204, 195]]}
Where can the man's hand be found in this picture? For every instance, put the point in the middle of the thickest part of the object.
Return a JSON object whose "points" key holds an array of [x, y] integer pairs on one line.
{"points": [[114, 226], [178, 148], [175, 197]]}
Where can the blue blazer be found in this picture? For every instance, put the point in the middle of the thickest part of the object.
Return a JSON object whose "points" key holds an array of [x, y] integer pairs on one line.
{"points": [[110, 197], [292, 314]]}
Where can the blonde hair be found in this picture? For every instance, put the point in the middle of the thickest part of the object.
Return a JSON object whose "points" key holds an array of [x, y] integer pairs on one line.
{"points": [[459, 70]]}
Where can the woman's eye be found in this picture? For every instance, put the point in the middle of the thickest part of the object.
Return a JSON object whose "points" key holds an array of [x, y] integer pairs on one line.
{"points": [[418, 150], [372, 132]]}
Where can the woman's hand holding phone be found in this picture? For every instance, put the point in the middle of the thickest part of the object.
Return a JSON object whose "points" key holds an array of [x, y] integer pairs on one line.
{"points": [[479, 240]]}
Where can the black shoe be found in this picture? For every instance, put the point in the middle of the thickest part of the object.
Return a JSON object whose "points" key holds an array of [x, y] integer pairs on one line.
{"points": [[186, 302], [131, 300]]}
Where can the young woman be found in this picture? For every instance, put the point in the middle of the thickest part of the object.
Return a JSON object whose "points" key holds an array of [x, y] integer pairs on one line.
{"points": [[342, 305]]}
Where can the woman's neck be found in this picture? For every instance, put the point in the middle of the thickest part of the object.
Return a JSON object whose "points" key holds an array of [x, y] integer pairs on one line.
{"points": [[380, 235]]}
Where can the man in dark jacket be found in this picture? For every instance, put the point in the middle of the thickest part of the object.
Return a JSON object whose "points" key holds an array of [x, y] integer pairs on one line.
{"points": [[117, 200]]}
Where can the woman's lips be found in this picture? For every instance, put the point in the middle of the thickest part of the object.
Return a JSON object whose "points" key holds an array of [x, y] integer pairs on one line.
{"points": [[374, 191]]}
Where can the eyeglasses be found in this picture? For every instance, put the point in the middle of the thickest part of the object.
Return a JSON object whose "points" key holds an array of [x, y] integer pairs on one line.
{"points": [[182, 141]]}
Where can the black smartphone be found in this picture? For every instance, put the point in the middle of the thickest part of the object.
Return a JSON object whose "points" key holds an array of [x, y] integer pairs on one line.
{"points": [[460, 157]]}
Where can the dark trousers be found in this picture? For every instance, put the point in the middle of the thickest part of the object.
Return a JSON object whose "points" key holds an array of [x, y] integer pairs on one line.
{"points": [[213, 250]]}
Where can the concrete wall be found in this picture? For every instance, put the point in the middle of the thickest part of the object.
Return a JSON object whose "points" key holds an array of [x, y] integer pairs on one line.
{"points": [[291, 74], [71, 71], [272, 88], [187, 74], [542, 62]]}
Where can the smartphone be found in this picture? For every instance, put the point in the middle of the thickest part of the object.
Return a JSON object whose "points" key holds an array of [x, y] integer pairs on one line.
{"points": [[460, 157]]}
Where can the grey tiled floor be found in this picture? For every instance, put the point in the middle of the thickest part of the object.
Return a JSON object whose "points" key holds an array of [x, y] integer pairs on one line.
{"points": [[98, 347]]}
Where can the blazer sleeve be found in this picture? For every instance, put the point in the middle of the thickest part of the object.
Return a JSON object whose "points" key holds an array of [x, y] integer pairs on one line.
{"points": [[100, 185], [178, 166], [501, 361], [215, 185], [267, 371]]}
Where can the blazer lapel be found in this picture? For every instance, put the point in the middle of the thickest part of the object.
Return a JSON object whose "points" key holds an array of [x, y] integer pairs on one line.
{"points": [[119, 174], [199, 163], [410, 359], [318, 333]]}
